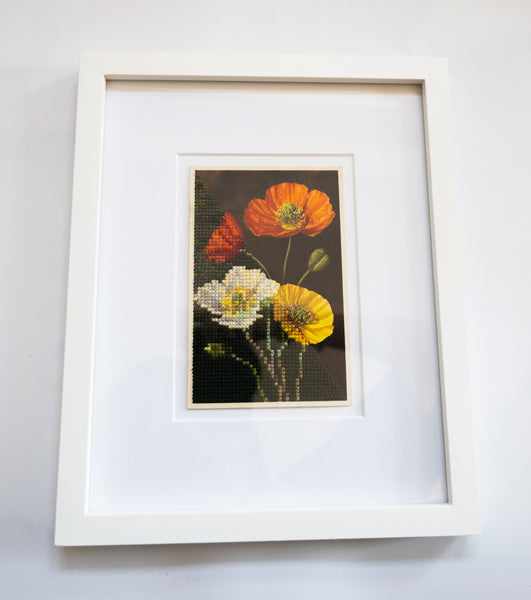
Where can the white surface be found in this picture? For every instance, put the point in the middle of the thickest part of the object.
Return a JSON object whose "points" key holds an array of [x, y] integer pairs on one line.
{"points": [[488, 47], [243, 459]]}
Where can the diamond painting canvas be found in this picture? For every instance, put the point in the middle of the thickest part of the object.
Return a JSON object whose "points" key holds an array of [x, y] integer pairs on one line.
{"points": [[267, 305]]}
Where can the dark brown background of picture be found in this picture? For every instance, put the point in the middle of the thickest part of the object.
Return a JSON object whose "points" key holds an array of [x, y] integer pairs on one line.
{"points": [[234, 189]]}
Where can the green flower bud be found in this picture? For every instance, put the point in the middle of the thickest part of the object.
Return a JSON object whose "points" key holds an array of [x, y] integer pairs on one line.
{"points": [[217, 350], [318, 260]]}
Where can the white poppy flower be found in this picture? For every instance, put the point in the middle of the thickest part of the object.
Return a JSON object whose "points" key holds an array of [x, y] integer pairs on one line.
{"points": [[237, 299]]}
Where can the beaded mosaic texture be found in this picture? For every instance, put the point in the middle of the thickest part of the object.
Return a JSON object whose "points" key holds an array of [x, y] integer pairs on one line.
{"points": [[268, 303]]}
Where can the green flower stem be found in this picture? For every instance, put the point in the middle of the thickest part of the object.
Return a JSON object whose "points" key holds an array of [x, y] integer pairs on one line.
{"points": [[258, 262], [255, 373], [270, 365], [304, 276], [282, 374], [268, 330], [280, 364], [286, 260], [259, 351], [299, 378]]}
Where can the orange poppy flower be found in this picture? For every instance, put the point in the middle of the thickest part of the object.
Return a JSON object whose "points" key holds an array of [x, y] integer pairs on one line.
{"points": [[288, 209], [226, 241]]}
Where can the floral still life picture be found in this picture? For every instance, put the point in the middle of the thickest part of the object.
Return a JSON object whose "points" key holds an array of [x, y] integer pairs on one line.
{"points": [[267, 307]]}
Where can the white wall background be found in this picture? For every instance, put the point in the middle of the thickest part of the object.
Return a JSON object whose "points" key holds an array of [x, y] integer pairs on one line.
{"points": [[488, 43]]}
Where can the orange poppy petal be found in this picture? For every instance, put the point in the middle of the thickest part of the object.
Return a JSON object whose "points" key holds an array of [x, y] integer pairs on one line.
{"points": [[319, 213], [286, 193], [262, 220], [231, 221], [226, 241]]}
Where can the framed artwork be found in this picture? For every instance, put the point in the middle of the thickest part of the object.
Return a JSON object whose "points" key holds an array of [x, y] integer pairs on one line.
{"points": [[260, 233], [259, 337]]}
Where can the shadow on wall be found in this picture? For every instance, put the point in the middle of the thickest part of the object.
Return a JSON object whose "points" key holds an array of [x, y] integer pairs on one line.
{"points": [[187, 555]]}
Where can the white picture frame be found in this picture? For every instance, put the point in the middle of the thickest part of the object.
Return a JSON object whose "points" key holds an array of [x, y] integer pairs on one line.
{"points": [[75, 524]]}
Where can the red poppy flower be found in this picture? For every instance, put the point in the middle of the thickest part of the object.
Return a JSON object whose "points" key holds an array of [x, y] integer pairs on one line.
{"points": [[288, 209], [226, 241]]}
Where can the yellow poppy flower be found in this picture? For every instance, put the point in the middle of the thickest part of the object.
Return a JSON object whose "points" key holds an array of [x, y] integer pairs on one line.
{"points": [[304, 315]]}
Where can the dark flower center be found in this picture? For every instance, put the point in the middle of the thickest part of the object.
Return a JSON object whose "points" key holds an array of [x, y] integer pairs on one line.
{"points": [[290, 216], [299, 316]]}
